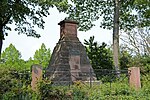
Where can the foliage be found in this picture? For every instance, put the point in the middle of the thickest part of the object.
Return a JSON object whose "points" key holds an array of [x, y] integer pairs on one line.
{"points": [[143, 10], [146, 63], [12, 88], [29, 63], [5, 78], [87, 12], [100, 56], [125, 59], [118, 90], [11, 57], [91, 11], [143, 62], [116, 14], [137, 41], [42, 56], [46, 91], [14, 85], [27, 13], [78, 92]]}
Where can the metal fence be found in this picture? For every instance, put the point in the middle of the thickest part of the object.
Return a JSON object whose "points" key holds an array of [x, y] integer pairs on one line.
{"points": [[98, 76], [102, 76]]}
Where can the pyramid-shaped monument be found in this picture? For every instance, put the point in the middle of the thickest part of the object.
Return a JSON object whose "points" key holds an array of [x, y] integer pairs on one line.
{"points": [[69, 61]]}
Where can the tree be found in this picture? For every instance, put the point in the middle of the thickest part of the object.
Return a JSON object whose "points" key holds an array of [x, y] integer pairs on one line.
{"points": [[11, 57], [100, 56], [116, 35], [137, 41], [26, 14], [143, 13], [125, 58], [29, 63], [42, 56], [117, 14]]}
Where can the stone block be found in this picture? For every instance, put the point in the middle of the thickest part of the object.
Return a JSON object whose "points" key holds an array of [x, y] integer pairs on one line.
{"points": [[93, 83], [134, 77], [36, 75]]}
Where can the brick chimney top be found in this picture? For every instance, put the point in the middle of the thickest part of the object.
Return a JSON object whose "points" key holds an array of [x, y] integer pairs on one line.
{"points": [[68, 28], [67, 21]]}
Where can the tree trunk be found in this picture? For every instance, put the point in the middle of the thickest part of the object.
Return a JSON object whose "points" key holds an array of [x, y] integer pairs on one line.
{"points": [[1, 43], [1, 39], [116, 37]]}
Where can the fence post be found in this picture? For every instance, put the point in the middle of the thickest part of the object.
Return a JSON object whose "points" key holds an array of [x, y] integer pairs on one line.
{"points": [[90, 77], [134, 77], [36, 75]]}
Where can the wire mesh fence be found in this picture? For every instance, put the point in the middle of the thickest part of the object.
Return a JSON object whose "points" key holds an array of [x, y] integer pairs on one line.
{"points": [[96, 77], [68, 77]]}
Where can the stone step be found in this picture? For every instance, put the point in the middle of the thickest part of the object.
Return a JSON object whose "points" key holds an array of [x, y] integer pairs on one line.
{"points": [[62, 83]]}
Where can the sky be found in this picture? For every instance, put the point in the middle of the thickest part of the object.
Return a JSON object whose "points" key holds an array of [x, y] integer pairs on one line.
{"points": [[50, 36]]}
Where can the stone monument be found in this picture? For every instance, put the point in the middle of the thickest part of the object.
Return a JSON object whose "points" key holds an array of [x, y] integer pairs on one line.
{"points": [[36, 75], [69, 61], [134, 79]]}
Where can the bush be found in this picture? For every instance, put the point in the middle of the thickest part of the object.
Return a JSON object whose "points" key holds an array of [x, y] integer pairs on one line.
{"points": [[46, 91], [14, 85], [14, 88]]}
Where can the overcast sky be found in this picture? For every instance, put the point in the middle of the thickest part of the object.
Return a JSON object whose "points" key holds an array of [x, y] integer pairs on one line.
{"points": [[50, 36]]}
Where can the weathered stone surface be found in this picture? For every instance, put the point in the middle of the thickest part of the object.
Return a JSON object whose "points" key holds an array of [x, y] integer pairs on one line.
{"points": [[134, 79], [69, 60], [74, 63], [36, 75]]}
